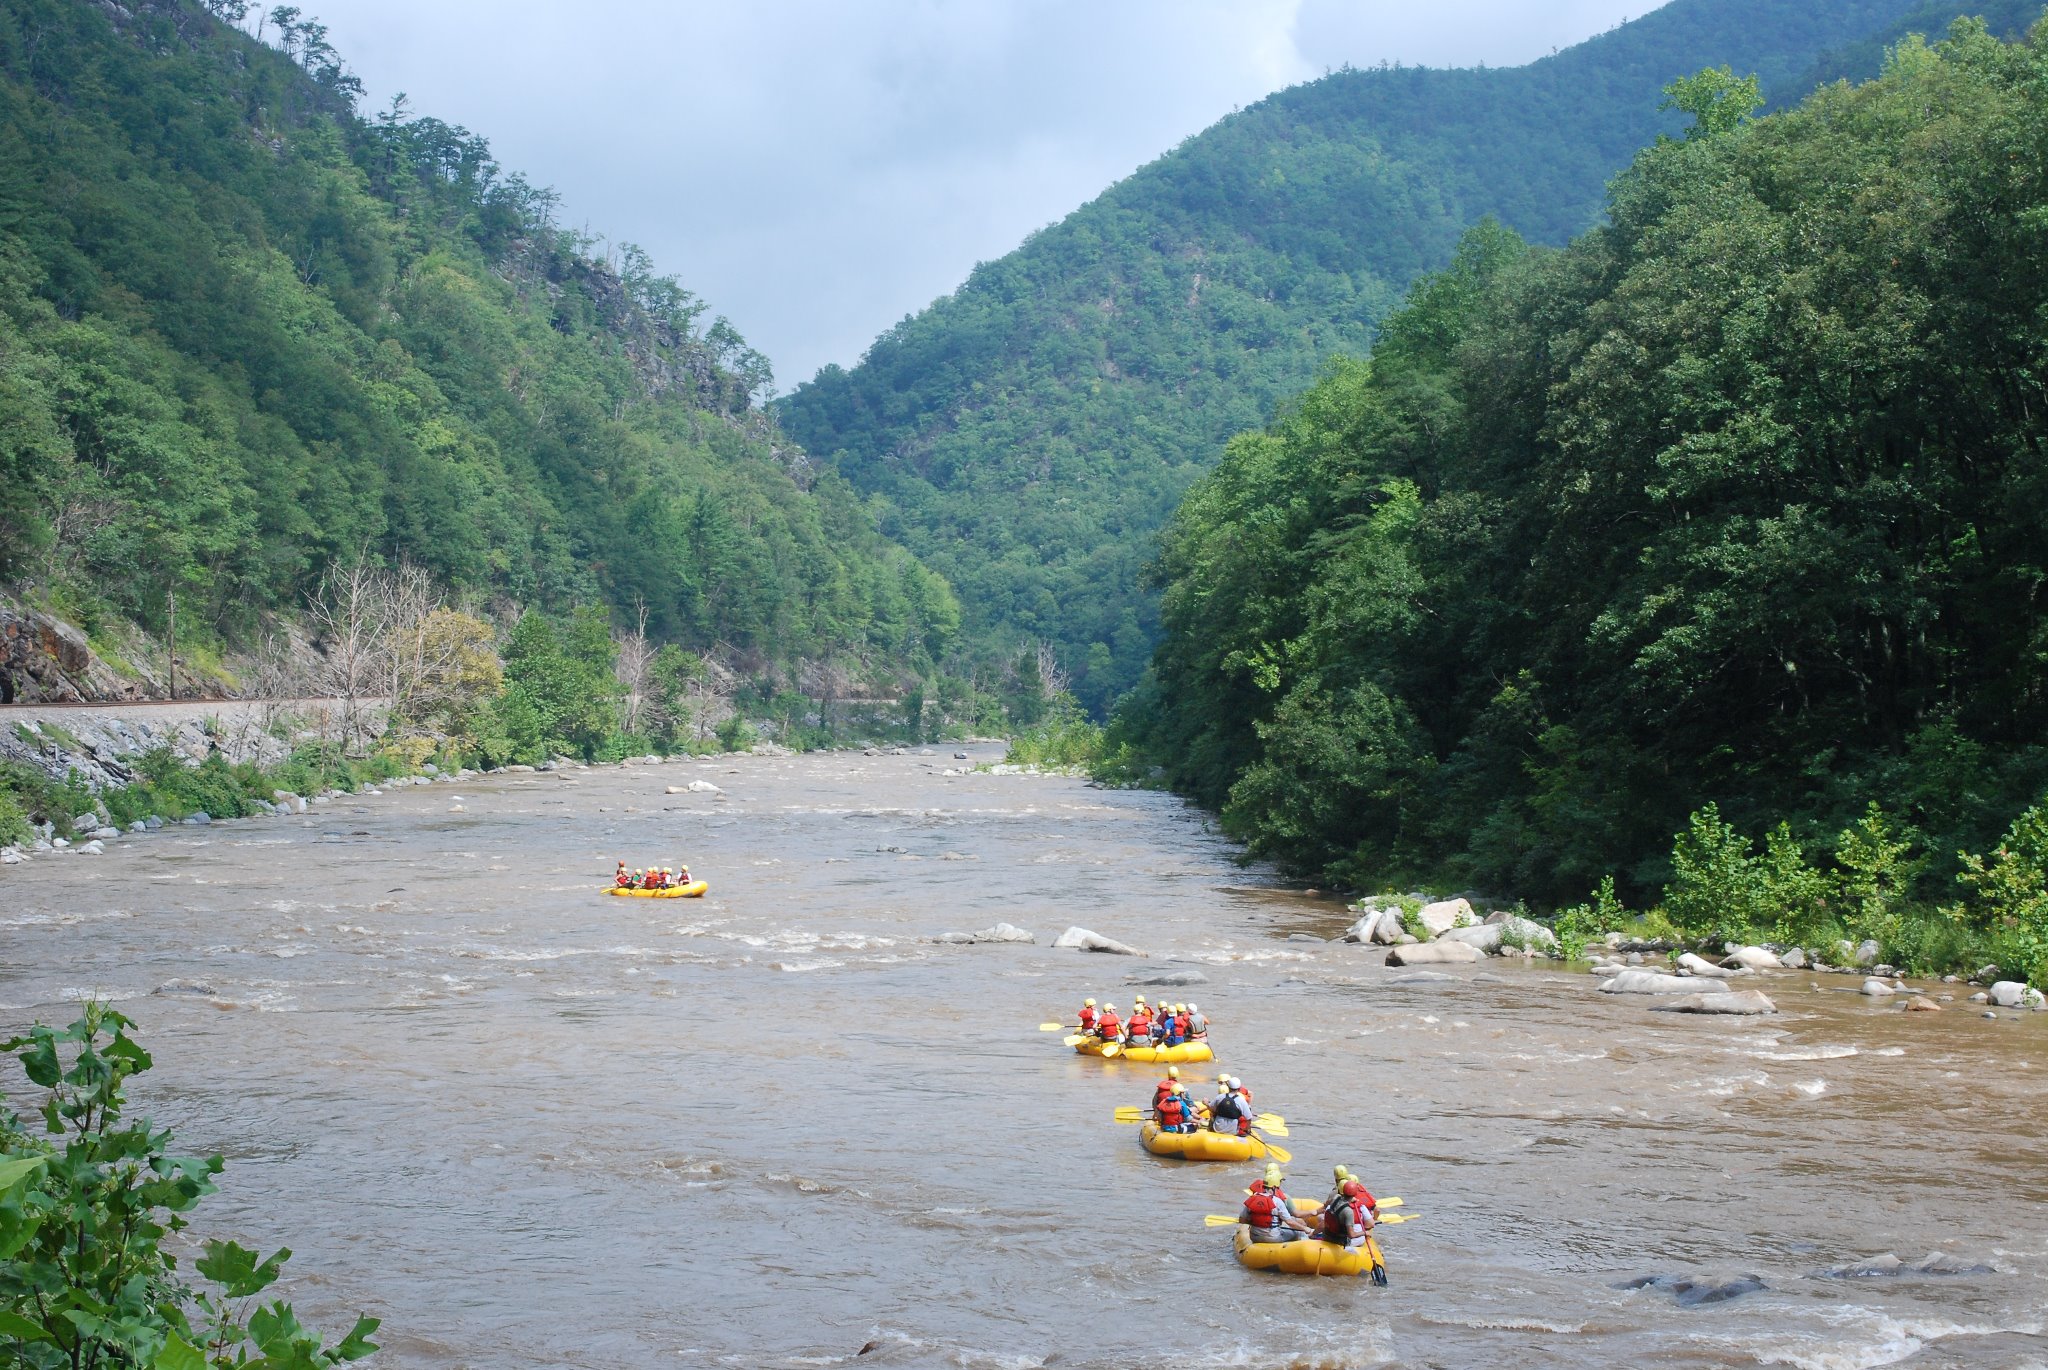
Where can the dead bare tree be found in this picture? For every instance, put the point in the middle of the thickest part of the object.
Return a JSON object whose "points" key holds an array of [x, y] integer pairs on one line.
{"points": [[350, 615], [1053, 677], [634, 656]]}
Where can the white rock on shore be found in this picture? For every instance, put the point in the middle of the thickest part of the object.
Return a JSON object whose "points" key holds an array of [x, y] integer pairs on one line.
{"points": [[1439, 918], [2016, 994]]}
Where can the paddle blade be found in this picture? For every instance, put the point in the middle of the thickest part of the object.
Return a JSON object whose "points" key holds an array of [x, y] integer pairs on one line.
{"points": [[1129, 1113], [1217, 1220], [1112, 1049], [1050, 1027], [1279, 1153], [1394, 1202], [1270, 1120], [1077, 1039], [1395, 1219]]}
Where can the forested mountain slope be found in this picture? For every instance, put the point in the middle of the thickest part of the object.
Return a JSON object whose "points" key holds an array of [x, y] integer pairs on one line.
{"points": [[1737, 500], [1031, 432], [245, 331]]}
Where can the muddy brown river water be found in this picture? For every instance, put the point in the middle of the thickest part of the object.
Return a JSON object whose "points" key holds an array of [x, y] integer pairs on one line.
{"points": [[530, 1126]]}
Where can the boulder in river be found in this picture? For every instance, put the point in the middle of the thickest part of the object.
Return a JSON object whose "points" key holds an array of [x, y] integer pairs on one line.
{"points": [[1795, 959], [1434, 954], [1376, 924], [1746, 1001], [1878, 989], [1081, 939], [1920, 1003], [1440, 917], [197, 820], [2015, 994], [1650, 982], [1693, 1290], [1168, 978], [1698, 965], [1424, 977], [1482, 937], [1003, 932], [1753, 958]]}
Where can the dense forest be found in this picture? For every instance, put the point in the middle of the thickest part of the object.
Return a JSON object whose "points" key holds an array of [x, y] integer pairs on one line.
{"points": [[1030, 433], [1726, 516], [248, 332]]}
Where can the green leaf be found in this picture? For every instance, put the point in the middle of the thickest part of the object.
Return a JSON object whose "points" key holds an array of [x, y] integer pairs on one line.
{"points": [[236, 1269], [22, 1329], [357, 1343], [16, 1168], [178, 1354]]}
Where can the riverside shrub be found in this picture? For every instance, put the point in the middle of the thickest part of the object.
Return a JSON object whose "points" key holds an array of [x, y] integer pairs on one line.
{"points": [[84, 1278]]}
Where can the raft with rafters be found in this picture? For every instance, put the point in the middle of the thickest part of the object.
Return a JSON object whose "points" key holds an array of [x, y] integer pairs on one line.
{"points": [[1310, 1256], [1181, 1055], [1200, 1146], [693, 890]]}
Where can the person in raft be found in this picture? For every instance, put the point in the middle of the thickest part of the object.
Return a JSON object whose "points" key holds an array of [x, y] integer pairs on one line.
{"points": [[1176, 1112], [1269, 1214], [1173, 1026], [1198, 1026], [624, 879], [1231, 1111], [1088, 1016], [1165, 1087], [1107, 1025], [1350, 1213], [1138, 1030]]}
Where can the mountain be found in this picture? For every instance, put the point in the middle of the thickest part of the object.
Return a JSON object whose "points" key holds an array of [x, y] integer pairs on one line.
{"points": [[1029, 434], [246, 331], [1734, 502]]}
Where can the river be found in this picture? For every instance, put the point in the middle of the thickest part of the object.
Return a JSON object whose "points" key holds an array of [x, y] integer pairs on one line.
{"points": [[530, 1126]]}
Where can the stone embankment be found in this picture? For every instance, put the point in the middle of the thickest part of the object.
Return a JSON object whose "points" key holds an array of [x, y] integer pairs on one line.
{"points": [[100, 743]]}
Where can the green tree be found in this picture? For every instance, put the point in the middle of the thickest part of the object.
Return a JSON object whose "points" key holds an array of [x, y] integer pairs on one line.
{"points": [[1716, 99]]}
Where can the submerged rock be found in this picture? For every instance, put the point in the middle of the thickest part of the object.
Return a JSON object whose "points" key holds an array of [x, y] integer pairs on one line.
{"points": [[1690, 1291], [1003, 932], [1933, 1263], [1650, 982], [1745, 1001], [1878, 989], [1434, 954], [1424, 977], [1081, 939], [1168, 978]]}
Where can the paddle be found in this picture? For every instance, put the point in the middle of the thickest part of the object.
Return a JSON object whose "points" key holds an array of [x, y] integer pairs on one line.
{"points": [[1379, 1261], [1276, 1151], [1111, 1049], [1218, 1220], [1050, 1027], [1078, 1038]]}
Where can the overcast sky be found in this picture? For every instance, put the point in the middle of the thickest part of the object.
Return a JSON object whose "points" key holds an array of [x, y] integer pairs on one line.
{"points": [[817, 169]]}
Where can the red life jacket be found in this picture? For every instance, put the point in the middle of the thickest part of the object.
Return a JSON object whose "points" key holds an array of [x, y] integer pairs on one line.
{"points": [[1087, 1019], [1159, 1094], [1172, 1111], [1265, 1205], [625, 881], [1180, 1024], [1106, 1025], [1343, 1220], [1140, 1024], [1358, 1193]]}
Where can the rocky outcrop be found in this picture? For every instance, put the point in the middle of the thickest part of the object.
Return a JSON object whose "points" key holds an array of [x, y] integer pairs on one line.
{"points": [[1439, 918], [1690, 1291], [44, 660]]}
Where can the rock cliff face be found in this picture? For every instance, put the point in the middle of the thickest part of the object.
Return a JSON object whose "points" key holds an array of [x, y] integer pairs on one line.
{"points": [[44, 660]]}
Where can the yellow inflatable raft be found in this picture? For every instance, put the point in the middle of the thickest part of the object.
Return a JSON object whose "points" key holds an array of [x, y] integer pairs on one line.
{"points": [[1200, 1146], [1149, 1055], [1306, 1257], [690, 891]]}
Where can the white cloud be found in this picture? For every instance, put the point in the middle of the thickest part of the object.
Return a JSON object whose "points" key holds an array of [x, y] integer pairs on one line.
{"points": [[816, 169]]}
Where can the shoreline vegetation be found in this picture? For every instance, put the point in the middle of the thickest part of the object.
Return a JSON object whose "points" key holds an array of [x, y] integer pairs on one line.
{"points": [[1687, 577]]}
